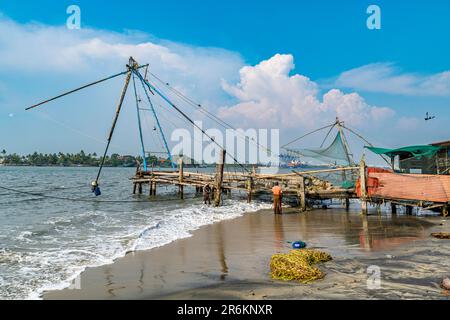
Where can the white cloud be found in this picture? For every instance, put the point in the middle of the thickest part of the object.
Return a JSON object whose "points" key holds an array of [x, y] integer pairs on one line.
{"points": [[31, 49], [269, 96], [409, 123], [39, 61], [387, 78]]}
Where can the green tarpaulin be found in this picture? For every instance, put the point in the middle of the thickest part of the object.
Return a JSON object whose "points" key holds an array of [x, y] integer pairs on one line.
{"points": [[412, 152]]}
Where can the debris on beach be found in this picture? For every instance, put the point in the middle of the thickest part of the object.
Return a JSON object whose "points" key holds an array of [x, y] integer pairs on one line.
{"points": [[298, 265], [299, 245], [441, 235], [445, 284]]}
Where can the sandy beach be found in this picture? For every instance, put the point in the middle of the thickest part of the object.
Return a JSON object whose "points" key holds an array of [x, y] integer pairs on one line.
{"points": [[230, 260]]}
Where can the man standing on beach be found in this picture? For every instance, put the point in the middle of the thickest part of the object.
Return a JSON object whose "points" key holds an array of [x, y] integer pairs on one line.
{"points": [[207, 194], [277, 199]]}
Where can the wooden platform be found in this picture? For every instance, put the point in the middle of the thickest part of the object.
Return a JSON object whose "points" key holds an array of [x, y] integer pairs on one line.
{"points": [[305, 186]]}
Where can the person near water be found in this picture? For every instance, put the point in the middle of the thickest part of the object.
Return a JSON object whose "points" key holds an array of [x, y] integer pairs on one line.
{"points": [[207, 194], [277, 198]]}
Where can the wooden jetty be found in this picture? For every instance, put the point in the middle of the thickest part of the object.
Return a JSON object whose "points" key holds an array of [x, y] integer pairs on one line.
{"points": [[305, 186]]}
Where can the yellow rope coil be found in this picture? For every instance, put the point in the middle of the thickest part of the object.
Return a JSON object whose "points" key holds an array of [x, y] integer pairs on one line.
{"points": [[298, 265]]}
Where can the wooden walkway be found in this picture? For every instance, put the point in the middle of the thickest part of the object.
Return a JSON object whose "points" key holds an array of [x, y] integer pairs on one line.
{"points": [[305, 186]]}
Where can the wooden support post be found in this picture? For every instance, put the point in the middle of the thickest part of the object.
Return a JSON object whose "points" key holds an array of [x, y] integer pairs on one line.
{"points": [[393, 208], [134, 187], [249, 189], [362, 177], [347, 203], [150, 191], [219, 179], [181, 174], [140, 187], [379, 208], [409, 210], [302, 194]]}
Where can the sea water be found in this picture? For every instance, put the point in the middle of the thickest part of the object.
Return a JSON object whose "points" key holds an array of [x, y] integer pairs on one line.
{"points": [[45, 242]]}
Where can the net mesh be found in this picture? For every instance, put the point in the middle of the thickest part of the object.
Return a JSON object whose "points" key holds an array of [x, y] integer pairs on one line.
{"points": [[335, 153]]}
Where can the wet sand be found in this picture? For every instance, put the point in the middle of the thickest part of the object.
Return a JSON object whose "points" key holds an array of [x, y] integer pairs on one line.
{"points": [[230, 260]]}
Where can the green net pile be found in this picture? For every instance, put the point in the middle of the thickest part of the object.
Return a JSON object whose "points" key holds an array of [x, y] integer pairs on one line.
{"points": [[298, 265]]}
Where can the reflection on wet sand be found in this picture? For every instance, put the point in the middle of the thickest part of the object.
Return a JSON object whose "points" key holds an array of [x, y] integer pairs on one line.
{"points": [[384, 235], [221, 252], [278, 232], [239, 251]]}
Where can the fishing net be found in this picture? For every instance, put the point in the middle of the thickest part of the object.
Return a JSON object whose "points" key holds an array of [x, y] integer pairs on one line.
{"points": [[298, 265], [335, 153]]}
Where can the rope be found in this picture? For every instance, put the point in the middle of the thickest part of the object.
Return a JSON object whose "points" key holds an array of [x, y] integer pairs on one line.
{"points": [[365, 140], [150, 87], [80, 88], [34, 194], [308, 134], [155, 116], [141, 137], [209, 114]]}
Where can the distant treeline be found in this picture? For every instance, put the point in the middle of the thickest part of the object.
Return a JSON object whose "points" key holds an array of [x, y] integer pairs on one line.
{"points": [[75, 159]]}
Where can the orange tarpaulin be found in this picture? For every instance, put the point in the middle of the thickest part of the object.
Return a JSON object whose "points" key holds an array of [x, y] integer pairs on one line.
{"points": [[389, 185]]}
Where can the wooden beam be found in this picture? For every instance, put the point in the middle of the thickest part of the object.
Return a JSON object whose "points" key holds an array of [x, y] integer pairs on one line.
{"points": [[302, 194], [362, 177], [180, 178], [393, 208], [219, 178], [323, 171]]}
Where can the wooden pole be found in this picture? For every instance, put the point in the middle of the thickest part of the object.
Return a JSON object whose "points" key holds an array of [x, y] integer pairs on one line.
{"points": [[302, 173], [150, 192], [362, 176], [116, 117], [134, 188], [219, 178], [393, 208], [302, 194], [409, 210], [180, 179], [344, 140], [249, 189], [140, 188], [347, 203]]}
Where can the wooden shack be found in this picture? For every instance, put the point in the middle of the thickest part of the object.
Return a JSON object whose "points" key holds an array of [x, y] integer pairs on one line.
{"points": [[436, 164]]}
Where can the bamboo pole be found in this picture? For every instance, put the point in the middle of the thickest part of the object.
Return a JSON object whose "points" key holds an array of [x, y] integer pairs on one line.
{"points": [[362, 176], [219, 178], [302, 194], [323, 171], [249, 189], [393, 208], [180, 173]]}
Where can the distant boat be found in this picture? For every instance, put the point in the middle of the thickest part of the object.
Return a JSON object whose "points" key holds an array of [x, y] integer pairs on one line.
{"points": [[295, 164]]}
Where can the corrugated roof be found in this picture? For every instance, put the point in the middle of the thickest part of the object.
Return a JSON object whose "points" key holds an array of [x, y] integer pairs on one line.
{"points": [[441, 144]]}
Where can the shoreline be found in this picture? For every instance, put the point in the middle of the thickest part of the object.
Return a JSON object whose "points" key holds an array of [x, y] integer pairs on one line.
{"points": [[230, 260]]}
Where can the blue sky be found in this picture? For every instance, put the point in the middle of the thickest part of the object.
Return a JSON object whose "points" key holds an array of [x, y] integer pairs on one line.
{"points": [[329, 36], [401, 68]]}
